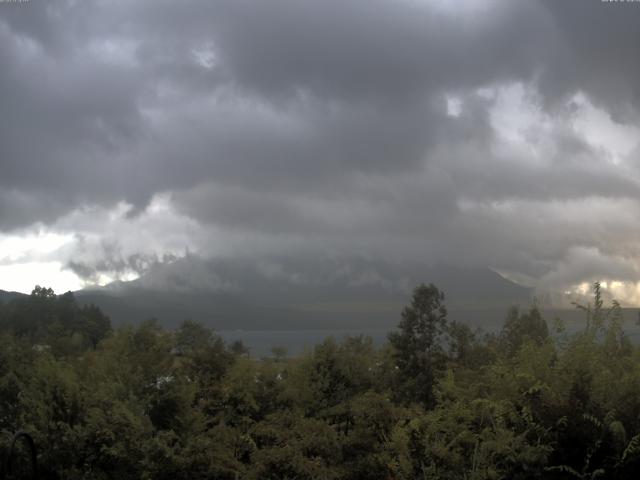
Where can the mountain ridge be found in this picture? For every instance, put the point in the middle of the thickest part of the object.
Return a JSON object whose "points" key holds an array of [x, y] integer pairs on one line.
{"points": [[326, 293]]}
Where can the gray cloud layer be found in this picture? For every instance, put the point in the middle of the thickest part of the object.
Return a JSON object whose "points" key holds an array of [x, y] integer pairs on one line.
{"points": [[325, 126]]}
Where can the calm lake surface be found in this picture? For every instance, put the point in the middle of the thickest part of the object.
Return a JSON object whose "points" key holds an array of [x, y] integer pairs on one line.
{"points": [[260, 342]]}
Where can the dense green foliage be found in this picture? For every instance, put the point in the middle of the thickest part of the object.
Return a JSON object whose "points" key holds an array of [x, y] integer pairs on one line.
{"points": [[438, 401]]}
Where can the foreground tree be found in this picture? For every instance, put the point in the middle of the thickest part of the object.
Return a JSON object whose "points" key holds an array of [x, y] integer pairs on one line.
{"points": [[419, 352], [520, 328]]}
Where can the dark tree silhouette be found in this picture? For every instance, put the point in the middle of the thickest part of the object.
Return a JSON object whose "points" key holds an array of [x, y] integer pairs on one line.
{"points": [[418, 344]]}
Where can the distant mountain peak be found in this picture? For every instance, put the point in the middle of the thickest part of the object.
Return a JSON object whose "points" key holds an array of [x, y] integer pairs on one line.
{"points": [[282, 291]]}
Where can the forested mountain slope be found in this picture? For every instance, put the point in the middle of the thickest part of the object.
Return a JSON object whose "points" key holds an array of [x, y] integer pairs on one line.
{"points": [[332, 293]]}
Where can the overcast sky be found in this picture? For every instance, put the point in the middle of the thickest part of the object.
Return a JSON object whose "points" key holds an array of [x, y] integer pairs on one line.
{"points": [[473, 133]]}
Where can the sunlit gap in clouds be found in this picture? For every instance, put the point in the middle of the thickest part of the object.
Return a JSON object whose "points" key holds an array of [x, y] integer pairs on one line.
{"points": [[30, 259], [625, 292], [22, 277], [102, 244], [41, 259]]}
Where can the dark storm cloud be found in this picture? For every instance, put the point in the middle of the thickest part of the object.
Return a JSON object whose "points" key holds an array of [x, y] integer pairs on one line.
{"points": [[18, 207], [65, 117], [375, 51], [329, 121], [598, 54], [76, 118]]}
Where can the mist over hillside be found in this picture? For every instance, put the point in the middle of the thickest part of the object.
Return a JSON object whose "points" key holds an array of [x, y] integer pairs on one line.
{"points": [[281, 294], [324, 294]]}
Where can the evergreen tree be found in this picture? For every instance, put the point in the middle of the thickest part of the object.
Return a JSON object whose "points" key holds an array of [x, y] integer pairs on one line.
{"points": [[419, 350]]}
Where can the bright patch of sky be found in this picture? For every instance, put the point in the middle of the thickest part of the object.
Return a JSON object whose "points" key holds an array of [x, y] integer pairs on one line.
{"points": [[627, 293], [30, 260], [461, 8], [16, 248], [205, 56], [23, 277], [116, 51], [522, 127], [454, 106], [599, 130], [84, 235]]}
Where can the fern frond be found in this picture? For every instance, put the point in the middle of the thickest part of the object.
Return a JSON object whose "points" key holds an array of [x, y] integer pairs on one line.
{"points": [[597, 423], [564, 469], [633, 447]]}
